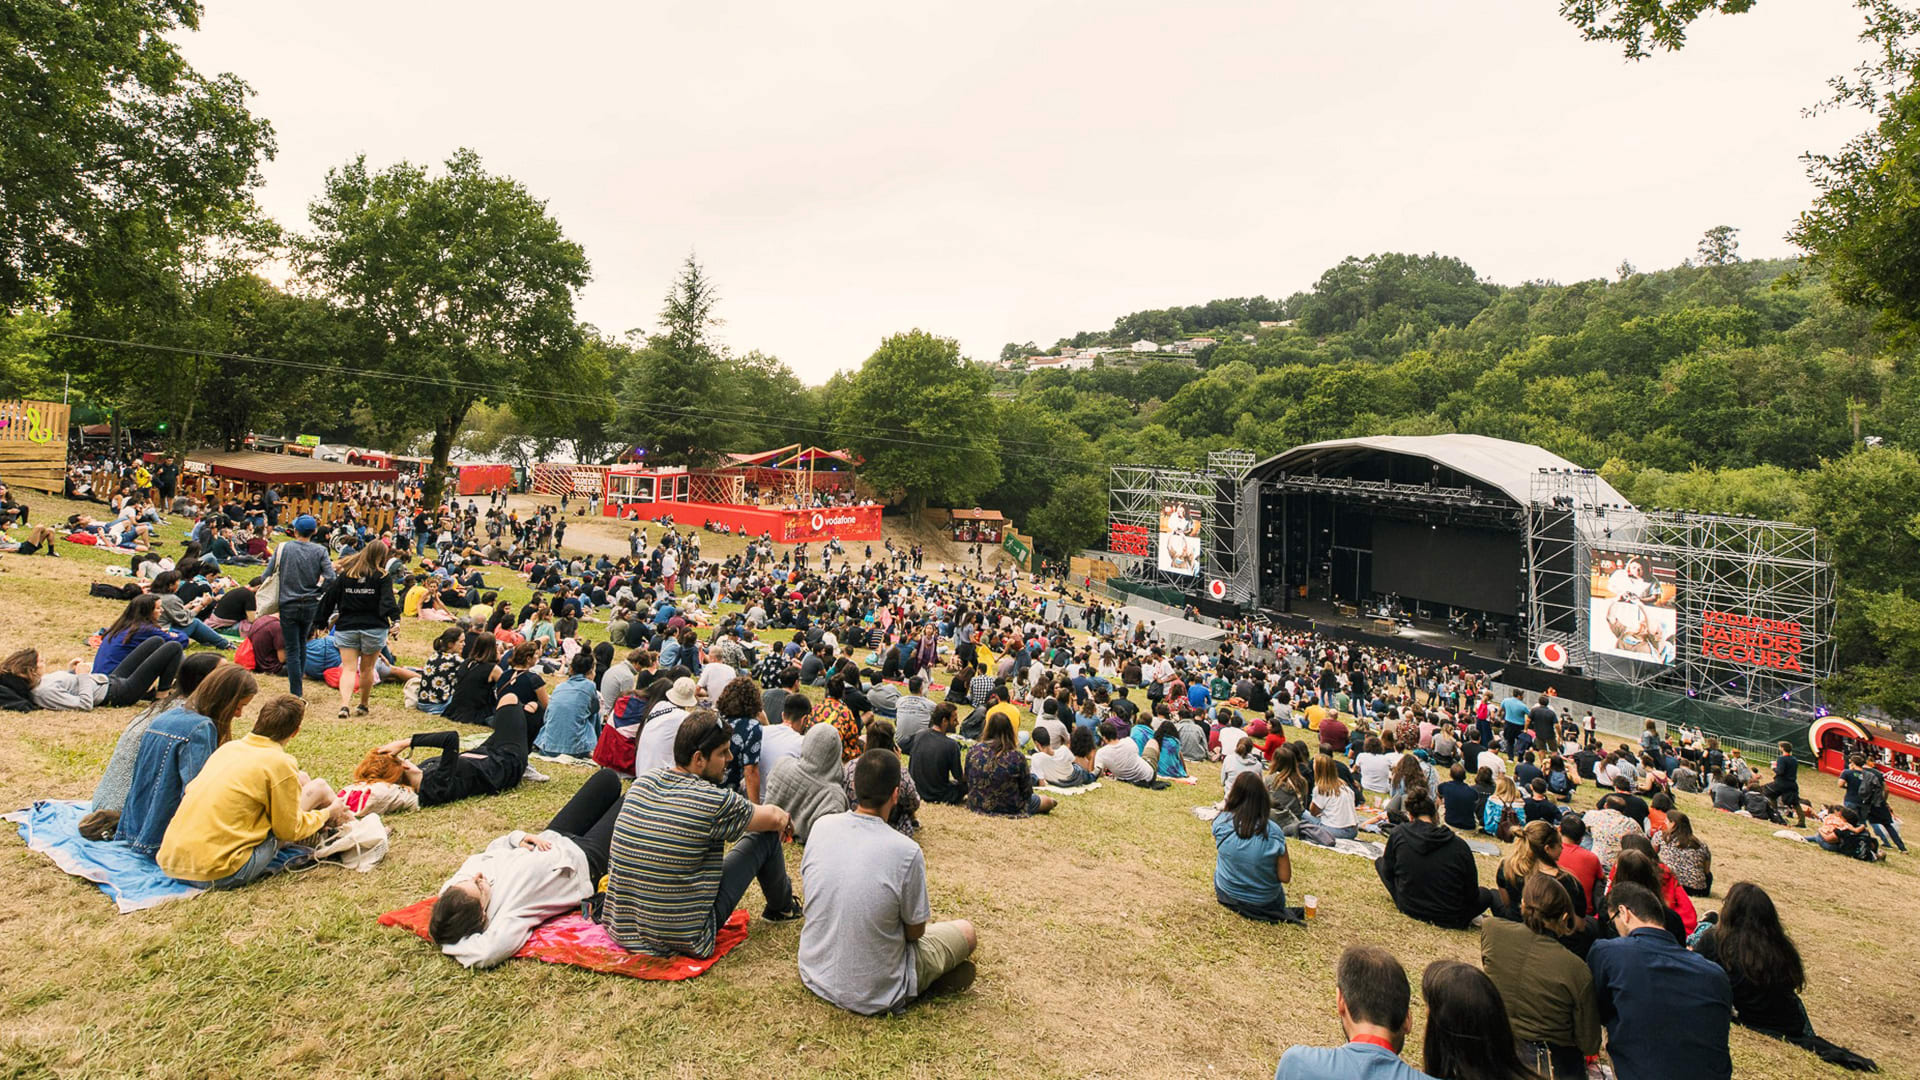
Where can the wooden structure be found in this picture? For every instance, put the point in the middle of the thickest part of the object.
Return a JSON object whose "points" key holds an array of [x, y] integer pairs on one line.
{"points": [[789, 476], [33, 445], [976, 526], [325, 489]]}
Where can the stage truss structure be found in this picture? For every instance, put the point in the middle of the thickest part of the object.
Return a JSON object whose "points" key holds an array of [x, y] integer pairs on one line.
{"points": [[1748, 567], [1135, 494]]}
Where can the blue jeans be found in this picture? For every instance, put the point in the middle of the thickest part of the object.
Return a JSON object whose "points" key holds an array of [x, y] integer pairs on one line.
{"points": [[258, 865], [296, 626], [206, 635]]}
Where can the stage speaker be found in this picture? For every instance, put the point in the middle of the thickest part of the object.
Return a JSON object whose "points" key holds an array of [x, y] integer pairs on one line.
{"points": [[1502, 645]]}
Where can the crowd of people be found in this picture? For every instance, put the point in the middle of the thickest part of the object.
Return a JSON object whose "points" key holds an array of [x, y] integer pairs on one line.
{"points": [[838, 698]]}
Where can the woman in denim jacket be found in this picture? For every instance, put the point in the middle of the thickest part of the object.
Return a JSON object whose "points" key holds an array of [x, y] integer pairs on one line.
{"points": [[174, 748]]}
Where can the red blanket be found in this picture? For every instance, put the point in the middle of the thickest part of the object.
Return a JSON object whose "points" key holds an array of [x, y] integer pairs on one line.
{"points": [[570, 939]]}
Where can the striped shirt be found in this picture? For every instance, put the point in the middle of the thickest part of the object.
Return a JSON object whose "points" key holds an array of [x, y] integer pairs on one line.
{"points": [[664, 868]]}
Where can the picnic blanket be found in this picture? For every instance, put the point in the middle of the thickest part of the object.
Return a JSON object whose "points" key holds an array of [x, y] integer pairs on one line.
{"points": [[1081, 790], [564, 759], [133, 881], [576, 941]]}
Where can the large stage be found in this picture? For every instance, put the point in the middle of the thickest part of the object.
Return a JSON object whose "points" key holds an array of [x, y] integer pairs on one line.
{"points": [[1661, 609], [847, 523]]}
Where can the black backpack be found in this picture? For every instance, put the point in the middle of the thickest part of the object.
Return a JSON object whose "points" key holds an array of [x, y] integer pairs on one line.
{"points": [[1873, 790]]}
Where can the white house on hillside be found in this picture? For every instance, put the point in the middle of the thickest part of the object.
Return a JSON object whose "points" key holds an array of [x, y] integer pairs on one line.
{"points": [[1145, 346]]}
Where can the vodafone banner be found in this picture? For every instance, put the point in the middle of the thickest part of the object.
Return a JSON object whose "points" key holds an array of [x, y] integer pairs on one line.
{"points": [[845, 522]]}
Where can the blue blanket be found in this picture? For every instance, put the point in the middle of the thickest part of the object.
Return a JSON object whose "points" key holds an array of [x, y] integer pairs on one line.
{"points": [[134, 881]]}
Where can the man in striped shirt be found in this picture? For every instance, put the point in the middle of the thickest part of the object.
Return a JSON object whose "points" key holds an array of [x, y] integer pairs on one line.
{"points": [[671, 881]]}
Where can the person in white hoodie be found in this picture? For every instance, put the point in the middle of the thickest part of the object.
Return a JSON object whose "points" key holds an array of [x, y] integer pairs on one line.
{"points": [[492, 904]]}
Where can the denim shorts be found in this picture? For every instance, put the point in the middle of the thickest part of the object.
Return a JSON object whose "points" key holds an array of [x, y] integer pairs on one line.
{"points": [[361, 641]]}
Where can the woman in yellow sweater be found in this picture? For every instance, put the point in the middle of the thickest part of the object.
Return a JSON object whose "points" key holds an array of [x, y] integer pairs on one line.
{"points": [[249, 801]]}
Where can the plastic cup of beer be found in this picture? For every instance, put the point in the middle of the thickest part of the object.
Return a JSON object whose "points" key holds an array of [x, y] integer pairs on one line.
{"points": [[1312, 905]]}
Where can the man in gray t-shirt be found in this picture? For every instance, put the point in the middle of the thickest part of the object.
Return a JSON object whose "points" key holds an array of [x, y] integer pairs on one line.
{"points": [[303, 569], [912, 714], [867, 946]]}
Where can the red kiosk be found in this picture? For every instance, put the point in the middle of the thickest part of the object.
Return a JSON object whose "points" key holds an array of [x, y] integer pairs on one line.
{"points": [[796, 494], [1835, 738]]}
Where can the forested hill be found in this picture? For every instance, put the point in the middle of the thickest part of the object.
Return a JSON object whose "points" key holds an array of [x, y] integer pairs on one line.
{"points": [[1726, 366], [1731, 386]]}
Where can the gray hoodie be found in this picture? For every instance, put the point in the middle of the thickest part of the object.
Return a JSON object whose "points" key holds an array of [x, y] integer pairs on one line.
{"points": [[812, 783]]}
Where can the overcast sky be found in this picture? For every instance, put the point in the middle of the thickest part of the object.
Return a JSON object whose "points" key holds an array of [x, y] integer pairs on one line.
{"points": [[1019, 171]]}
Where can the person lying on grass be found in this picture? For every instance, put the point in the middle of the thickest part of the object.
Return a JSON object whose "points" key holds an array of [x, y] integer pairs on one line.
{"points": [[248, 802], [491, 905], [24, 677], [495, 766]]}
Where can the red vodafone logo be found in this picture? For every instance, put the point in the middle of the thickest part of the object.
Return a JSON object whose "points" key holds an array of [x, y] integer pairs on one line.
{"points": [[1553, 655], [817, 522], [1217, 589]]}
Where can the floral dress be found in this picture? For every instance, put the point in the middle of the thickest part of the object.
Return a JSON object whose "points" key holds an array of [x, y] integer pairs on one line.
{"points": [[436, 680], [831, 711], [998, 782], [746, 751]]}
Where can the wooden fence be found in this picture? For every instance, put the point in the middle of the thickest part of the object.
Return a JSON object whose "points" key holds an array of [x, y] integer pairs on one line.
{"points": [[33, 444]]}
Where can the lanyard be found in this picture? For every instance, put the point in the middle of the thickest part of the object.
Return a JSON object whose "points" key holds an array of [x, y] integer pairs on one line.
{"points": [[1375, 1040]]}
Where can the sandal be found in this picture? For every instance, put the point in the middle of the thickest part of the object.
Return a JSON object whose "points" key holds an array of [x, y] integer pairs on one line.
{"points": [[359, 710], [343, 712]]}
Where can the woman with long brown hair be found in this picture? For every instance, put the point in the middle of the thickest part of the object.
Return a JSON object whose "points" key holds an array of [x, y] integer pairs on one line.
{"points": [[363, 595], [1252, 868], [138, 623], [1286, 792], [999, 777], [1548, 990], [174, 748]]}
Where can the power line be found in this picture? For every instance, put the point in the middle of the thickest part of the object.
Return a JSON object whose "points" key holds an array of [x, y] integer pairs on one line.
{"points": [[916, 440]]}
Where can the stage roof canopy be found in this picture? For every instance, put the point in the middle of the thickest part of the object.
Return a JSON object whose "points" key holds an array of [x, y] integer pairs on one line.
{"points": [[285, 468], [1501, 464]]}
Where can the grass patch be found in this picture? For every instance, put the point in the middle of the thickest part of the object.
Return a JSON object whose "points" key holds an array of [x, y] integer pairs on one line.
{"points": [[1102, 950]]}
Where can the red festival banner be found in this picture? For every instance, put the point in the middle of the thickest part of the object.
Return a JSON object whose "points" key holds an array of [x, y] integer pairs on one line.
{"points": [[1745, 639], [1124, 539], [845, 522]]}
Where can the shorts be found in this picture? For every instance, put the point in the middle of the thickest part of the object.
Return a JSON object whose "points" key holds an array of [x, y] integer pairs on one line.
{"points": [[361, 641], [941, 949]]}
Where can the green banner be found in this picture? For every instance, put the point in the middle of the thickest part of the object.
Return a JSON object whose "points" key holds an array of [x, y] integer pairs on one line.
{"points": [[308, 440], [1017, 548]]}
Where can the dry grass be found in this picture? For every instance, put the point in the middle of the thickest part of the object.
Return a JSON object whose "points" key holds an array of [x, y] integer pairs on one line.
{"points": [[1102, 951]]}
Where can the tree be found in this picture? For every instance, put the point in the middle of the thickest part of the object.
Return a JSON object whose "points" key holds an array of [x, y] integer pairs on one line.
{"points": [[108, 138], [670, 406], [1074, 517], [1720, 246], [581, 414], [1640, 26], [921, 416], [461, 284]]}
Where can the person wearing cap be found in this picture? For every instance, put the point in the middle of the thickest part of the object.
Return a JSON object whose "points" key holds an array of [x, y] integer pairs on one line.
{"points": [[655, 747], [304, 571]]}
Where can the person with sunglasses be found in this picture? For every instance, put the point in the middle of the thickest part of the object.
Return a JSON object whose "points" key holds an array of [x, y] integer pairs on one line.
{"points": [[672, 881]]}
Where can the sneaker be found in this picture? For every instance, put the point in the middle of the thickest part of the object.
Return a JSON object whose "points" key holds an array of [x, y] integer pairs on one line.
{"points": [[788, 915], [535, 775]]}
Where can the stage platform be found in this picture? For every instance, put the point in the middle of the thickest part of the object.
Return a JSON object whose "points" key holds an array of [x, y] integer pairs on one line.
{"points": [[848, 523], [1430, 637], [1179, 632]]}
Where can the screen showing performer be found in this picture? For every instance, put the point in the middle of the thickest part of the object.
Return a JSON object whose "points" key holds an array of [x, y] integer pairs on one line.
{"points": [[1632, 607], [1179, 538]]}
